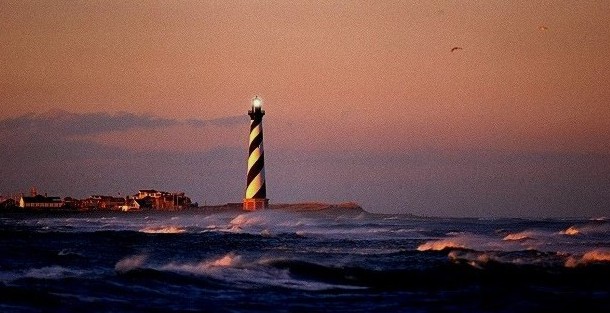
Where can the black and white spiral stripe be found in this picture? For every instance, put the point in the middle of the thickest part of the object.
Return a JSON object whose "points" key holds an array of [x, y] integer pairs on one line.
{"points": [[256, 161]]}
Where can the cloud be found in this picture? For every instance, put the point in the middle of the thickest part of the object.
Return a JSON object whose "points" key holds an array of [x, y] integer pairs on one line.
{"points": [[228, 121], [62, 125]]}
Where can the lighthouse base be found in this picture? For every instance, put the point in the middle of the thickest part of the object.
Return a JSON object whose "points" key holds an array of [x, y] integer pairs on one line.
{"points": [[255, 204]]}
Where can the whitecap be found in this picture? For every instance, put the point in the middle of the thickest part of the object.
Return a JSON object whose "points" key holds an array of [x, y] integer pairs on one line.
{"points": [[485, 243], [163, 230], [52, 272], [570, 231], [438, 245], [68, 252], [130, 263], [518, 236], [592, 256], [234, 270], [204, 267]]}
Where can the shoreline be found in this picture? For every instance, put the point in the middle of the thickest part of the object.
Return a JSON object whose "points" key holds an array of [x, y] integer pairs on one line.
{"points": [[347, 207]]}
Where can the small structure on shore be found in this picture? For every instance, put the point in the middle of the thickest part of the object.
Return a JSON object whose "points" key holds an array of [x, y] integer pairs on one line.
{"points": [[40, 202]]}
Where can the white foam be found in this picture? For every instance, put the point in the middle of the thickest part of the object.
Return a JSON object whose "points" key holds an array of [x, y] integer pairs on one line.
{"points": [[163, 230], [52, 272], [479, 259], [269, 218], [90, 299], [592, 256], [233, 269], [130, 263], [205, 267], [353, 251], [570, 231], [510, 242], [592, 228], [519, 236], [66, 252], [600, 255], [440, 245], [230, 259]]}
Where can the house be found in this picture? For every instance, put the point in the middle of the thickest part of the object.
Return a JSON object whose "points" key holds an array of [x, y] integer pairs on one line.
{"points": [[40, 202], [72, 203], [143, 193], [162, 200], [7, 203], [137, 204], [99, 202]]}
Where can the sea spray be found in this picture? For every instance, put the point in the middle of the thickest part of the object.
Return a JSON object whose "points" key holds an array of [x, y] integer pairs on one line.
{"points": [[130, 263], [52, 272], [163, 230], [204, 267], [593, 256]]}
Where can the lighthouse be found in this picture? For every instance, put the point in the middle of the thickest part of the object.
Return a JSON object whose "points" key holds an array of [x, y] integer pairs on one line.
{"points": [[256, 191]]}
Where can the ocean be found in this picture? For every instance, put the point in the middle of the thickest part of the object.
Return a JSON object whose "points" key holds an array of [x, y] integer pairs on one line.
{"points": [[286, 261]]}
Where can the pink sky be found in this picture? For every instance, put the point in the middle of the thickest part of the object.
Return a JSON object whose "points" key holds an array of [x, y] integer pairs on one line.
{"points": [[373, 76]]}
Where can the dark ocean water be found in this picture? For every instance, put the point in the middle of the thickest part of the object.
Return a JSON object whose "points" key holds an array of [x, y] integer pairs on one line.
{"points": [[301, 262]]}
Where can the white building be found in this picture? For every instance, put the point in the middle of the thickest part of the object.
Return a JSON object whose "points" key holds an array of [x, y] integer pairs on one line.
{"points": [[40, 202]]}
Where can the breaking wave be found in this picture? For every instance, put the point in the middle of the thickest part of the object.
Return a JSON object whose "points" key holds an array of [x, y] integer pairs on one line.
{"points": [[130, 263], [163, 230], [439, 245], [593, 256], [570, 231], [233, 270], [519, 236], [204, 267], [52, 272], [594, 227]]}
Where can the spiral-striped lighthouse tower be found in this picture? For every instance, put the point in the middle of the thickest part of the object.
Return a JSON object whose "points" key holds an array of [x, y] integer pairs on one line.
{"points": [[256, 191]]}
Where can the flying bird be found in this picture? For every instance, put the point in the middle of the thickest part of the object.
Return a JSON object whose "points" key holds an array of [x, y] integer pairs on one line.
{"points": [[456, 48]]}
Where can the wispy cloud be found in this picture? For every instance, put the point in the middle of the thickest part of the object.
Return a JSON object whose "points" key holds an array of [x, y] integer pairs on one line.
{"points": [[59, 123], [222, 121], [65, 123]]}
